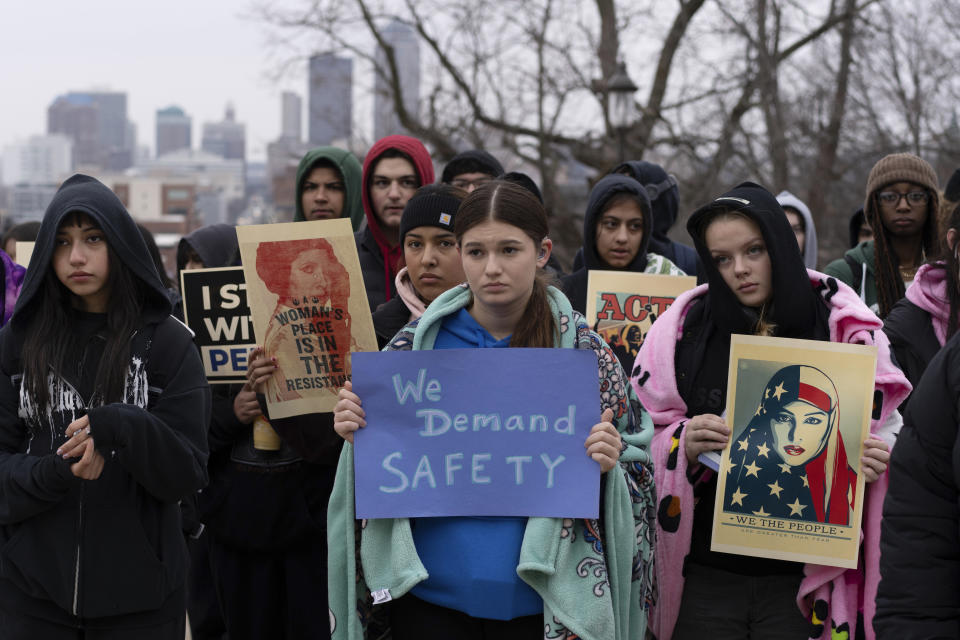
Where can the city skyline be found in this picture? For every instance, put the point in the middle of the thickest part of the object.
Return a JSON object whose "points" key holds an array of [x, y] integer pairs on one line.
{"points": [[198, 56]]}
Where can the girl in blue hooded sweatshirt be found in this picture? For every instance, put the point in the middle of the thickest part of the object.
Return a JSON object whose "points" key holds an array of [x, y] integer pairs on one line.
{"points": [[501, 233], [103, 414]]}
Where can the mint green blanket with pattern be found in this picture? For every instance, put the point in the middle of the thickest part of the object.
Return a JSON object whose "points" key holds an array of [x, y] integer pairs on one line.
{"points": [[595, 576]]}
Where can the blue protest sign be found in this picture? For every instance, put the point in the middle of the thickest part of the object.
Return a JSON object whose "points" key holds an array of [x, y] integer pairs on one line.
{"points": [[476, 432]]}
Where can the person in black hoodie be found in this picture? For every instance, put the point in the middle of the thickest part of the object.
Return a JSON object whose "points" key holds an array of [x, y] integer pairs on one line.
{"points": [[233, 411], [616, 236], [665, 201], [264, 511], [103, 415]]}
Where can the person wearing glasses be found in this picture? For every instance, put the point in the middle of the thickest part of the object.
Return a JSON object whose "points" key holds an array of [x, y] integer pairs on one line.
{"points": [[617, 232], [393, 169], [901, 205], [471, 169]]}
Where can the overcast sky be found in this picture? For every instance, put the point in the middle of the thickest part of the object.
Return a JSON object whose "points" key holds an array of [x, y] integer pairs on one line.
{"points": [[197, 54]]}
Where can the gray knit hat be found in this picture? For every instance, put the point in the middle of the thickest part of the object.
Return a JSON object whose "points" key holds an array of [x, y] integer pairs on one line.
{"points": [[901, 167]]}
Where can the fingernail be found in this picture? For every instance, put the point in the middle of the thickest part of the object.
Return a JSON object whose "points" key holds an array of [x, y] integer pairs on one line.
{"points": [[59, 452]]}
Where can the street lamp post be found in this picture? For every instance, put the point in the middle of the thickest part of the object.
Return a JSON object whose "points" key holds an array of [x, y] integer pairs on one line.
{"points": [[620, 90]]}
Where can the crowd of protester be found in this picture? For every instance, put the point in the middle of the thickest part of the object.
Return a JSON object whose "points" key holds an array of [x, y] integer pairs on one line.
{"points": [[131, 491]]}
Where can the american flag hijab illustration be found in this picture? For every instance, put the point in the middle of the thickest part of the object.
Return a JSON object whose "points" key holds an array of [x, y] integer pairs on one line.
{"points": [[790, 462]]}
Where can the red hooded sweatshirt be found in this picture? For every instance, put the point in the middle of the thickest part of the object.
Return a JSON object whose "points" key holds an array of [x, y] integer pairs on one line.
{"points": [[424, 168]]}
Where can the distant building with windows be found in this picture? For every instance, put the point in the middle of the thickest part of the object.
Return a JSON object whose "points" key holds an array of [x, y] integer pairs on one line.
{"points": [[173, 130], [330, 100], [97, 123], [291, 117], [227, 138], [37, 160], [406, 50]]}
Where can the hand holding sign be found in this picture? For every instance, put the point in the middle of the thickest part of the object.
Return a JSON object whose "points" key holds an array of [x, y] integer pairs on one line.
{"points": [[347, 415], [876, 455], [260, 369], [603, 443], [705, 432]]}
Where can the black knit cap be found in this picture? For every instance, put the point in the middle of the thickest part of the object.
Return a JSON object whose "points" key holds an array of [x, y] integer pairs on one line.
{"points": [[471, 161], [434, 205]]}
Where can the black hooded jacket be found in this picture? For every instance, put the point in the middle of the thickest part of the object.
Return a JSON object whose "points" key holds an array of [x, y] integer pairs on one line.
{"points": [[702, 355], [575, 284], [920, 531], [665, 204], [216, 244], [104, 552]]}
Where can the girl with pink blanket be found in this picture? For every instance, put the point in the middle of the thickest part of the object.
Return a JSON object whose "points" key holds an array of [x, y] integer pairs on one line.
{"points": [[757, 284]]}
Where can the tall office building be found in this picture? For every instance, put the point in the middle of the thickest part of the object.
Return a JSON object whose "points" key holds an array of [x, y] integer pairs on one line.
{"points": [[330, 97], [173, 130], [38, 160], [406, 50], [227, 138], [290, 118], [97, 123]]}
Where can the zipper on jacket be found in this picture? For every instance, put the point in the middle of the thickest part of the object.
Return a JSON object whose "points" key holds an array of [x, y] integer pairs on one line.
{"points": [[76, 568]]}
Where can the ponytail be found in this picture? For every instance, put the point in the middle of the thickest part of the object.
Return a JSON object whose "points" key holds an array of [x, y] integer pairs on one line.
{"points": [[537, 328]]}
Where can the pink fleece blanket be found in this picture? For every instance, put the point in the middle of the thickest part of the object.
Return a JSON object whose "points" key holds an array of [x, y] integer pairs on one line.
{"points": [[929, 292], [829, 597], [408, 294]]}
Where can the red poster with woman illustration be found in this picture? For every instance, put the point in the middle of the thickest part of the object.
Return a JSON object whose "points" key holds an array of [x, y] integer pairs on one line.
{"points": [[309, 309], [790, 485]]}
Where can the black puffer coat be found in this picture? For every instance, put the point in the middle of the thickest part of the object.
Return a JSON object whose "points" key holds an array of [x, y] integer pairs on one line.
{"points": [[919, 593]]}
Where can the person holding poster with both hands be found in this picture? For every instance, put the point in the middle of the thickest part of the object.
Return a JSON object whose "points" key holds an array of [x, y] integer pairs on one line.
{"points": [[756, 284], [501, 233]]}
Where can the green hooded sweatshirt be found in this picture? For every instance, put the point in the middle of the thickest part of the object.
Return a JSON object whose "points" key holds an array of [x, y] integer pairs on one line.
{"points": [[864, 282], [349, 168]]}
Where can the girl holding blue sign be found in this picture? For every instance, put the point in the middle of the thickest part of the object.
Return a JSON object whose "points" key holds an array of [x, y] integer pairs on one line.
{"points": [[595, 580]]}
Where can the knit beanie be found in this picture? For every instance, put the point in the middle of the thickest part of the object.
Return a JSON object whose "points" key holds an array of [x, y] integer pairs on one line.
{"points": [[431, 206], [900, 167]]}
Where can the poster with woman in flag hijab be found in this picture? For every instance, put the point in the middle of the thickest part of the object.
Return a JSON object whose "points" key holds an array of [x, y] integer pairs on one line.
{"points": [[789, 484]]}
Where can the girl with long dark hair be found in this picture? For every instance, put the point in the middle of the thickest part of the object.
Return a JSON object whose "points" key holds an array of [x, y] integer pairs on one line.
{"points": [[103, 414], [757, 285], [501, 232]]}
